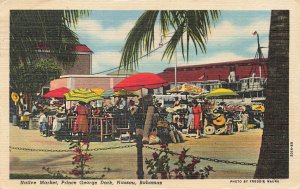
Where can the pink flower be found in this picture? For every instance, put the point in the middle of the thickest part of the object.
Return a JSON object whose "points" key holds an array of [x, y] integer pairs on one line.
{"points": [[77, 150], [87, 156], [195, 161], [77, 159], [155, 156], [191, 166]]}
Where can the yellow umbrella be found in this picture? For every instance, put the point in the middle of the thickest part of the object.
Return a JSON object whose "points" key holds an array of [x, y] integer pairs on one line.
{"points": [[221, 92], [98, 91], [83, 95]]}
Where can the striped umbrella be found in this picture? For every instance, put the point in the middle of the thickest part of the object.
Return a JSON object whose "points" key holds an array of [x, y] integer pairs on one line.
{"points": [[221, 92], [98, 91], [83, 95], [108, 93], [122, 93]]}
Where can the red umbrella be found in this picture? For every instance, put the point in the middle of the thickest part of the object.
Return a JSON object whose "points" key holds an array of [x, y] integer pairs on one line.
{"points": [[57, 93], [139, 81]]}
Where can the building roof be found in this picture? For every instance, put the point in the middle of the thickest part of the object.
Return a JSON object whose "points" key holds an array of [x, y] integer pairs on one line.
{"points": [[220, 64], [76, 48], [216, 71], [123, 72], [82, 48]]}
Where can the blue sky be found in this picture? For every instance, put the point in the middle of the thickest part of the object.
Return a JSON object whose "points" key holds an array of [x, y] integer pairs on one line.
{"points": [[231, 39]]}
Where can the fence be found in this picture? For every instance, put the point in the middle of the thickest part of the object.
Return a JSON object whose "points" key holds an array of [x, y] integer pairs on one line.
{"points": [[139, 145], [104, 126]]}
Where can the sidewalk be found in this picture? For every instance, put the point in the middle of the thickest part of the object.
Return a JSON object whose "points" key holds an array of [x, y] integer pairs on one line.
{"points": [[242, 147]]}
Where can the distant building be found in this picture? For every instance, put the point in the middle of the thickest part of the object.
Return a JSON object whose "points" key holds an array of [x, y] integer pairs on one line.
{"points": [[86, 81], [123, 72], [247, 77], [83, 63]]}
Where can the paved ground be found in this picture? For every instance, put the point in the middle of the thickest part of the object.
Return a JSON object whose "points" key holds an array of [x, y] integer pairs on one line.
{"points": [[242, 146]]}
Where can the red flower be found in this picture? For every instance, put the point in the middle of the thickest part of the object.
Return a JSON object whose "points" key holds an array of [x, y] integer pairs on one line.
{"points": [[87, 156], [76, 158], [164, 145], [195, 161], [77, 150], [155, 156], [191, 166]]}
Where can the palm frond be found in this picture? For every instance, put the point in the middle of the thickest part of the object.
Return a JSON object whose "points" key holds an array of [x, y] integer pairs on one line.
{"points": [[140, 39], [195, 24], [32, 28]]}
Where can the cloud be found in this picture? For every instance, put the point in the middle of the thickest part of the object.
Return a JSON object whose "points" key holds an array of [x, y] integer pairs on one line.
{"points": [[94, 29], [226, 31], [221, 57], [105, 60]]}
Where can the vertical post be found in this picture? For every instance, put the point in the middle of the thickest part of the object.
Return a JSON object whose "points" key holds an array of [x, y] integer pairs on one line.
{"points": [[101, 129], [139, 147], [106, 125], [175, 72], [112, 129]]}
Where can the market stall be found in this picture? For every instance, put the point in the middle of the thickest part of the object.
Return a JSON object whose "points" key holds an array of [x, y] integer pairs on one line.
{"points": [[138, 82]]}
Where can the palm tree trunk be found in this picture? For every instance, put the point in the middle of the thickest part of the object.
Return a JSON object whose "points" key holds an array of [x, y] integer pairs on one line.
{"points": [[274, 152]]}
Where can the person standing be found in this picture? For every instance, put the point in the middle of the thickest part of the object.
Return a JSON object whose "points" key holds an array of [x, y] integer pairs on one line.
{"points": [[197, 117], [43, 120], [121, 112], [81, 124], [34, 109], [259, 122], [177, 102], [190, 116], [58, 121], [131, 117]]}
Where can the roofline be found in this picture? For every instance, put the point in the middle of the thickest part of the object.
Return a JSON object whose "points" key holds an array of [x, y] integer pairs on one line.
{"points": [[48, 51], [265, 60], [90, 76]]}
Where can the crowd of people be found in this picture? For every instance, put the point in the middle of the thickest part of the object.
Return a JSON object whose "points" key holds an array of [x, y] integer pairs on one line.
{"points": [[188, 116]]}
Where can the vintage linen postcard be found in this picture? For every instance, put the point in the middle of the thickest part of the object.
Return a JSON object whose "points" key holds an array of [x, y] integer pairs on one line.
{"points": [[149, 94]]}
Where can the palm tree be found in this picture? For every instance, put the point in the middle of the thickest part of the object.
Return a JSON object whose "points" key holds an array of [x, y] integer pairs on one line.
{"points": [[195, 24], [274, 153], [30, 29]]}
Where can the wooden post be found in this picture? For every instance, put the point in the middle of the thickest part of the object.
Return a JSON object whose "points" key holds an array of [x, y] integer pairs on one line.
{"points": [[139, 147], [112, 129], [101, 129]]}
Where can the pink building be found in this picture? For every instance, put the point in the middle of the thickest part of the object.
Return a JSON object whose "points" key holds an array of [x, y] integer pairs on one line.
{"points": [[86, 81]]}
